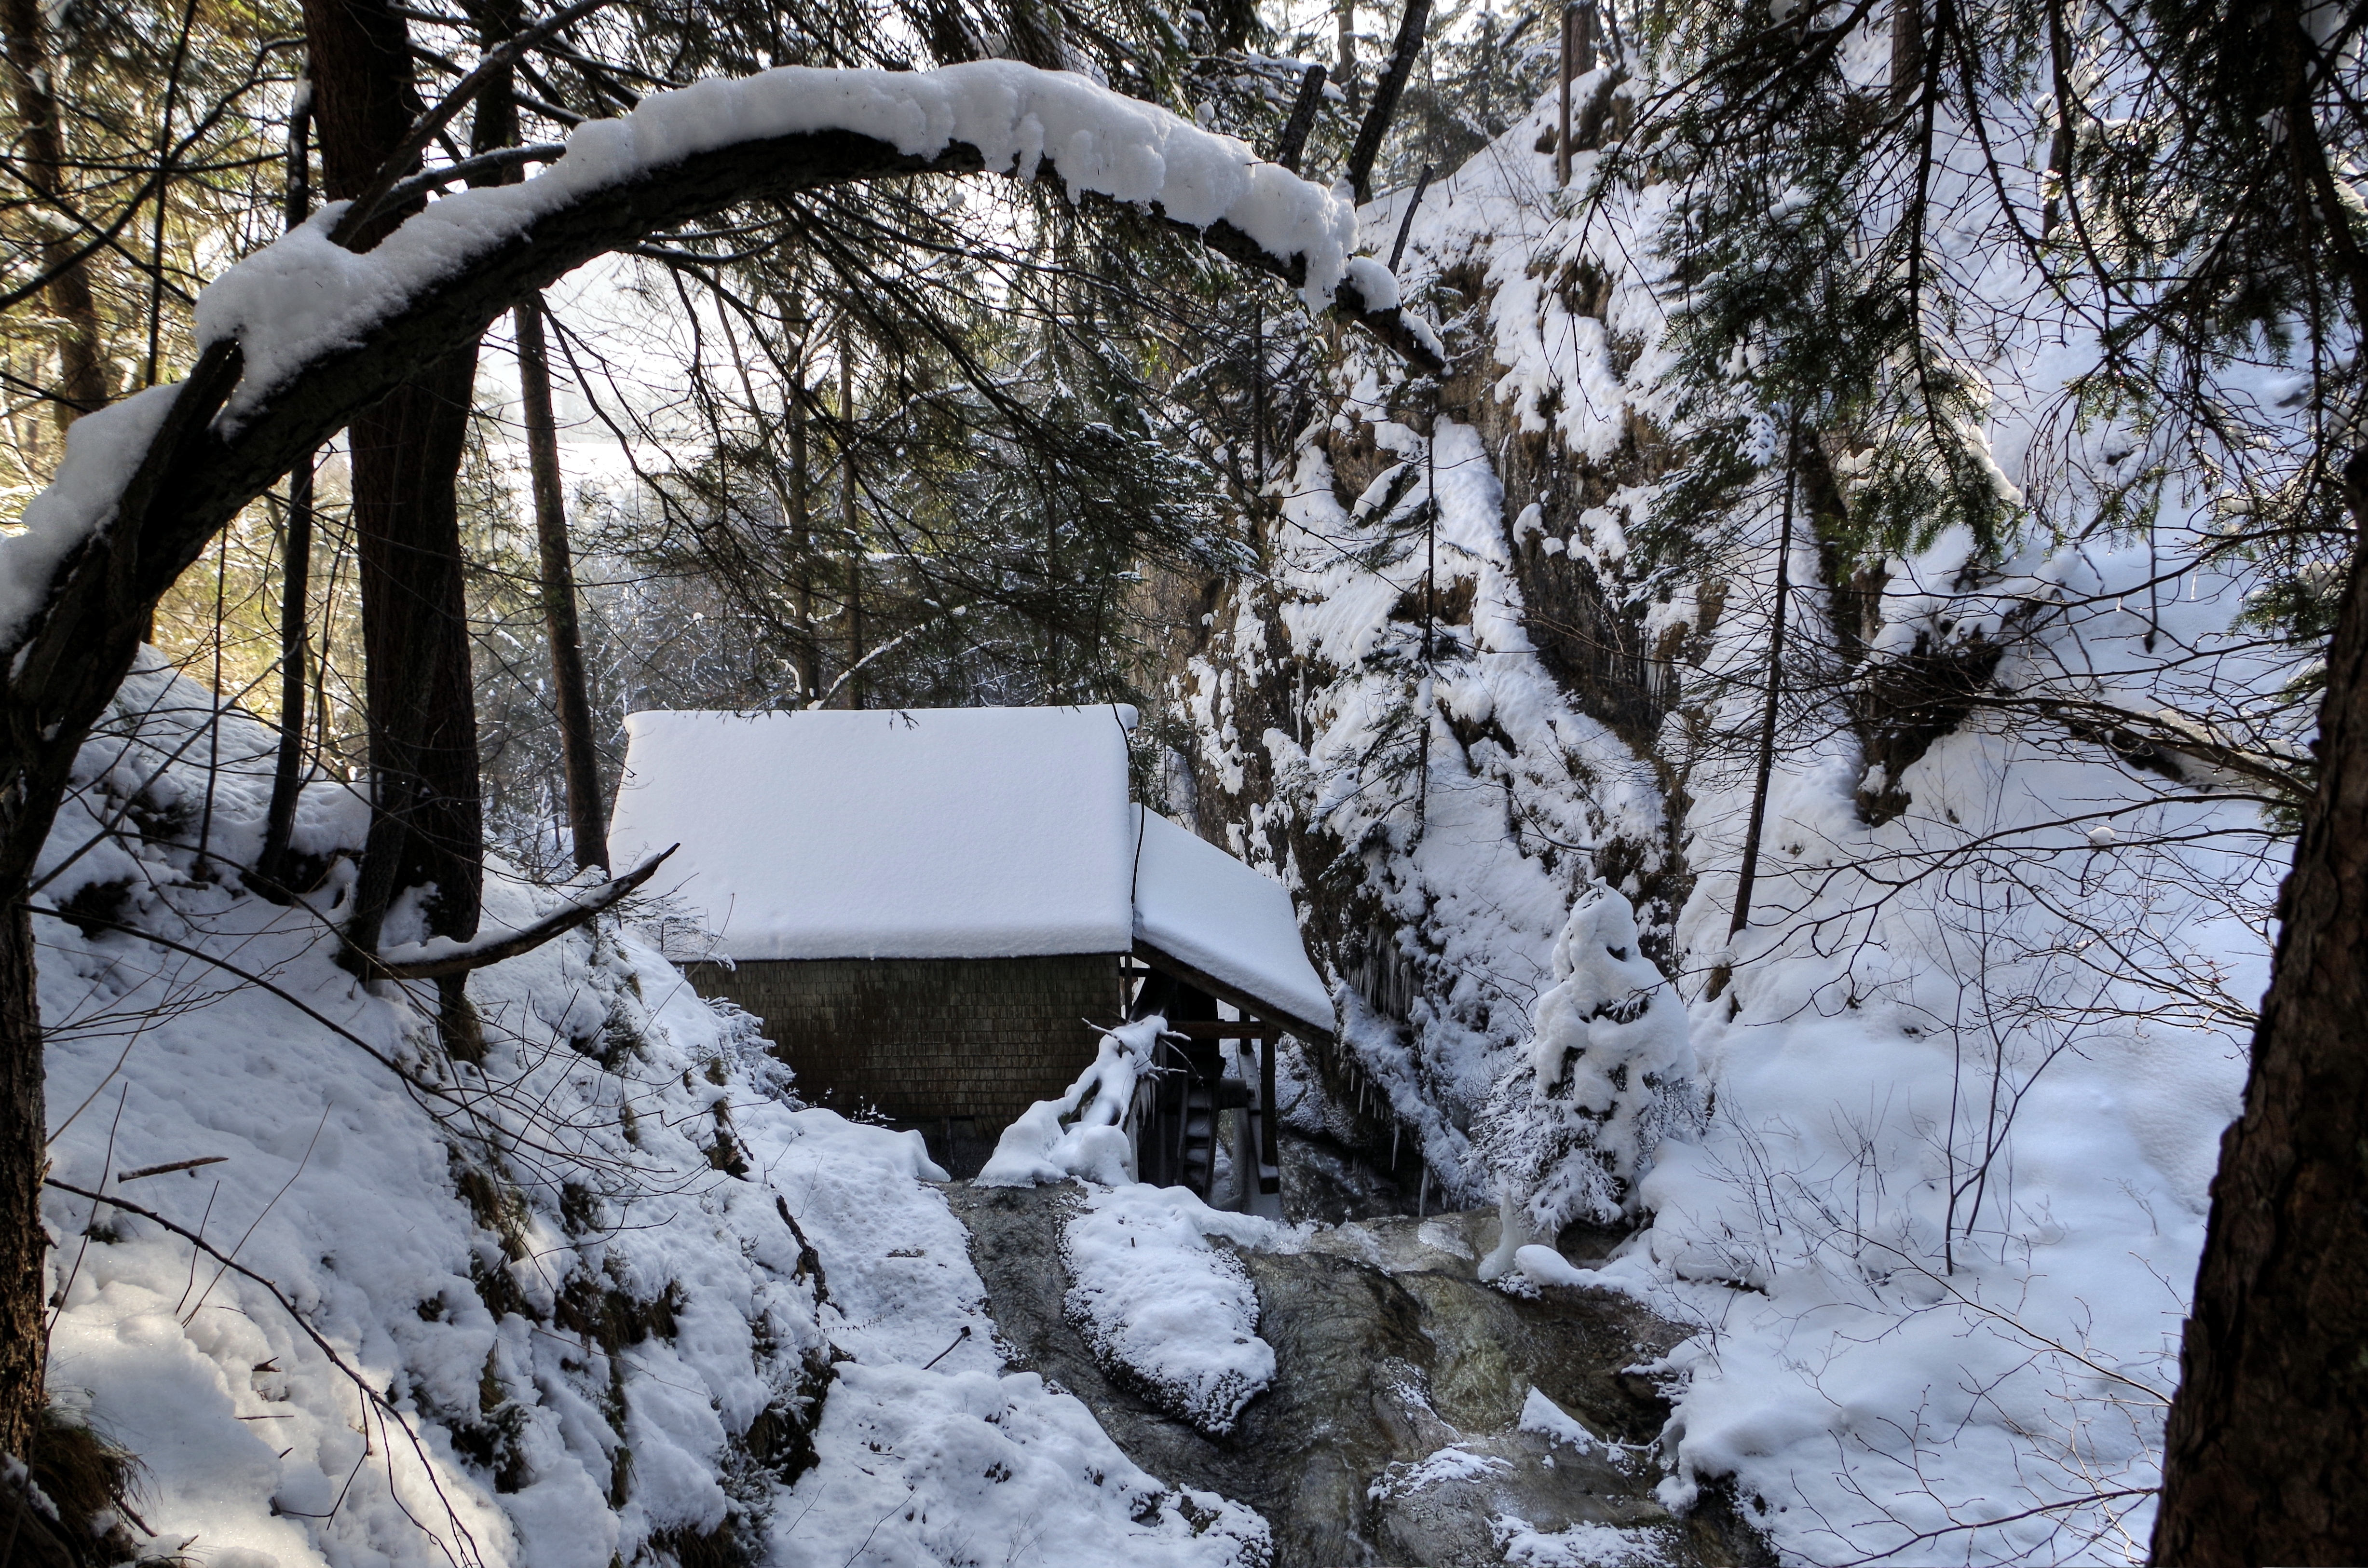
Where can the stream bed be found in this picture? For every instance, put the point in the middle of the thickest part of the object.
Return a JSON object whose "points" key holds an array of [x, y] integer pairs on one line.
{"points": [[1393, 1432]]}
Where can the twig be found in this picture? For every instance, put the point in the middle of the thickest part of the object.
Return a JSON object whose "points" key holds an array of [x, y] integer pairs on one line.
{"points": [[2006, 1520], [167, 1169]]}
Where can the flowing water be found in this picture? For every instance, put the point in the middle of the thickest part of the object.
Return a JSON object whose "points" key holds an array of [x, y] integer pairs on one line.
{"points": [[1393, 1433]]}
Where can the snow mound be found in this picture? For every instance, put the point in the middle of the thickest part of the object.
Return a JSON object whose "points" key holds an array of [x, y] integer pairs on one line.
{"points": [[1083, 1133], [1163, 1309], [1582, 1546], [921, 1470]]}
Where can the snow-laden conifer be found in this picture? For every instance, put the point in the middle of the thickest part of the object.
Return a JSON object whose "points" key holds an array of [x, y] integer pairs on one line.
{"points": [[1609, 1074]]}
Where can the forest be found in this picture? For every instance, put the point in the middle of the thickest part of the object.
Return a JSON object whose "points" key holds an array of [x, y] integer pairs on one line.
{"points": [[1736, 815]]}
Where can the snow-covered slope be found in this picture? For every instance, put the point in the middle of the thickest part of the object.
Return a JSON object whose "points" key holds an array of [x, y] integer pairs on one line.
{"points": [[608, 1295], [1966, 1065]]}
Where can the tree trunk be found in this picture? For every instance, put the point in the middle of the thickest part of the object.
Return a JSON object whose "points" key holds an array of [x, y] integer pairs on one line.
{"points": [[802, 541], [272, 867], [849, 519], [24, 1157], [82, 365], [295, 574], [2266, 1456], [1764, 765], [1386, 98], [1344, 64], [559, 620], [428, 822], [1566, 73], [428, 819], [1906, 51]]}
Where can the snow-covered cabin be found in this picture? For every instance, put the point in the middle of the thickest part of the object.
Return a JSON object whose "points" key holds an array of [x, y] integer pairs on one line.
{"points": [[929, 909]]}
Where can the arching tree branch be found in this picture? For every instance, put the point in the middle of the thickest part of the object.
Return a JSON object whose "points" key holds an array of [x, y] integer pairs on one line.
{"points": [[197, 471]]}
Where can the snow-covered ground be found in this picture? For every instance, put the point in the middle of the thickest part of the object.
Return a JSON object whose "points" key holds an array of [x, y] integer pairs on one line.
{"points": [[573, 1304]]}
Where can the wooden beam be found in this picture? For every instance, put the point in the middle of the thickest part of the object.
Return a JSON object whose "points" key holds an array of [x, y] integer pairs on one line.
{"points": [[1169, 964], [1250, 1030]]}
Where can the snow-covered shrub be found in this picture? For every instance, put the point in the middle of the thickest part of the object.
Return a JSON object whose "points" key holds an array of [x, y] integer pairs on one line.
{"points": [[1609, 1073], [1165, 1311]]}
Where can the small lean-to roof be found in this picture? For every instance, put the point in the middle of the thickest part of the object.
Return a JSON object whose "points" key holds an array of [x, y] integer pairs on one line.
{"points": [[918, 832], [1223, 926]]}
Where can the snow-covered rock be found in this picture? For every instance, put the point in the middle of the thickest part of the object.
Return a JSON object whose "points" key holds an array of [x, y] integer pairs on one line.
{"points": [[1163, 1309]]}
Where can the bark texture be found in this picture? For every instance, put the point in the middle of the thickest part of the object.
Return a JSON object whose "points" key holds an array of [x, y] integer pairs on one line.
{"points": [[2266, 1458], [427, 822], [584, 819], [1368, 147], [82, 365], [24, 1126]]}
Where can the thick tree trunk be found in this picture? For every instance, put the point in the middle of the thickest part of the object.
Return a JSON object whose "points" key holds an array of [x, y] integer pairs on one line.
{"points": [[559, 620], [24, 1158], [2266, 1458], [427, 822], [428, 825], [82, 365]]}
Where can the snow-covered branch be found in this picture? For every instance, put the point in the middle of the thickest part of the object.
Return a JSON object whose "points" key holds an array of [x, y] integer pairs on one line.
{"points": [[302, 335], [441, 955]]}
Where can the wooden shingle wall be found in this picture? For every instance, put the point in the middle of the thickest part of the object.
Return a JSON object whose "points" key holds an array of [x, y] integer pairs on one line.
{"points": [[925, 1041]]}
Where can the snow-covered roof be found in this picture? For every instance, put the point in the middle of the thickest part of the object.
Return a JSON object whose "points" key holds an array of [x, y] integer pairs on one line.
{"points": [[947, 832], [931, 833], [1201, 909]]}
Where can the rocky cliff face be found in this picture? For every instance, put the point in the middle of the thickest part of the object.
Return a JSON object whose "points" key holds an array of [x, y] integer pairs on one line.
{"points": [[1452, 700]]}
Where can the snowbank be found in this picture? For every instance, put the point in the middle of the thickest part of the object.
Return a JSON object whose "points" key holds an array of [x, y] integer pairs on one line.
{"points": [[1083, 1133]]}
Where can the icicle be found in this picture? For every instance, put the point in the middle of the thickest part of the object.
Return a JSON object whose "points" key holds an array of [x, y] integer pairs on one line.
{"points": [[1396, 1127], [1422, 1196]]}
